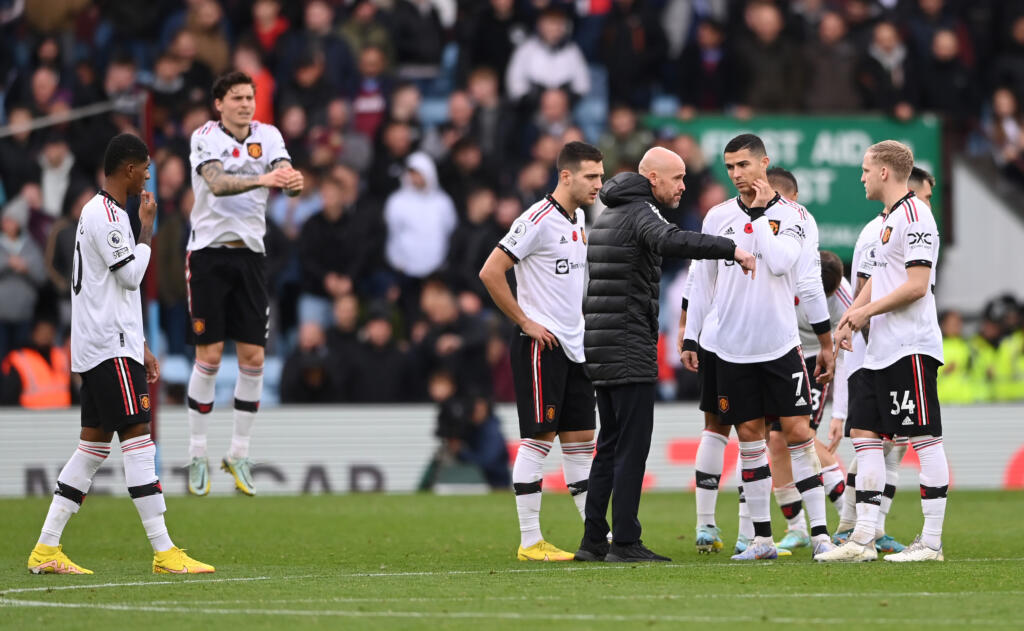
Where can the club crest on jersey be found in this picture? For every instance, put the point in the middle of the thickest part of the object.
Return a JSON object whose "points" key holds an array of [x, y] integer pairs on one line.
{"points": [[775, 226], [255, 150], [723, 404], [549, 412], [886, 234], [198, 326], [144, 401]]}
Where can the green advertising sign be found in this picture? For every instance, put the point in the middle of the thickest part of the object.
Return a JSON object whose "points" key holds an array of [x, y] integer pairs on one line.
{"points": [[824, 153]]}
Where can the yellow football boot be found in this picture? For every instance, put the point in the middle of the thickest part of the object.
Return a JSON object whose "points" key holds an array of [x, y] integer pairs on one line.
{"points": [[52, 560]]}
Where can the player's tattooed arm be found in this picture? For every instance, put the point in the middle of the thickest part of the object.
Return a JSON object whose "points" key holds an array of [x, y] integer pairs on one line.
{"points": [[222, 183], [294, 186]]}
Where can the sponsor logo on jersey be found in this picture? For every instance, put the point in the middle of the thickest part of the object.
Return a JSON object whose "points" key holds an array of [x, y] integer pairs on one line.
{"points": [[144, 401], [563, 241], [886, 234], [255, 150], [775, 226], [918, 238], [723, 404], [198, 326], [549, 412], [225, 154], [562, 266], [729, 231]]}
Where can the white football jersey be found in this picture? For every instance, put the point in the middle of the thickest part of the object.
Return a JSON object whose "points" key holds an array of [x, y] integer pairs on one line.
{"points": [[908, 237], [231, 217], [709, 326], [838, 303], [756, 317], [550, 252], [106, 304]]}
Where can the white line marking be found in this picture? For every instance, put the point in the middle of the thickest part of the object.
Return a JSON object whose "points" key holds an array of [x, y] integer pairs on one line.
{"points": [[54, 588]]}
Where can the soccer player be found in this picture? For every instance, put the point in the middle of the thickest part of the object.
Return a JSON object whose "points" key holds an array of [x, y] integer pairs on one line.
{"points": [[894, 448], [235, 161], [109, 352], [901, 361], [547, 245], [759, 369]]}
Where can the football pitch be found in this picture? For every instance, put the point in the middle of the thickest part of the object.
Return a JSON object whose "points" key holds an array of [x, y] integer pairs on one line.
{"points": [[448, 562]]}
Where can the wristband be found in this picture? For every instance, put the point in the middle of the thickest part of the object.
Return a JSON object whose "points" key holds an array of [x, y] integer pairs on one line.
{"points": [[821, 328], [690, 345], [685, 303]]}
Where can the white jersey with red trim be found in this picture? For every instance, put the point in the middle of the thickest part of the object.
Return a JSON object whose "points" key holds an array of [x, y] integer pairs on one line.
{"points": [[709, 327], [908, 237], [550, 252], [756, 317], [106, 304], [232, 217], [838, 303]]}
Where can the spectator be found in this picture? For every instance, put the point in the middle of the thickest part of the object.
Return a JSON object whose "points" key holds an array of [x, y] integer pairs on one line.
{"points": [[169, 93], [17, 164], [404, 107], [290, 213], [470, 431], [459, 125], [309, 87], [38, 376], [831, 61], [198, 75], [318, 34], [268, 25], [389, 159], [1005, 132], [473, 241], [307, 376], [984, 347], [55, 165], [768, 66], [453, 341], [624, 143], [370, 102], [60, 248], [953, 384], [886, 74], [490, 36], [548, 59], [294, 129], [205, 21], [552, 118], [492, 121], [364, 28], [420, 218], [22, 273], [464, 170], [418, 39], [332, 249], [247, 58], [174, 201], [633, 46], [1008, 67], [932, 16], [501, 369], [946, 85], [343, 336], [385, 372], [1009, 370], [336, 142]]}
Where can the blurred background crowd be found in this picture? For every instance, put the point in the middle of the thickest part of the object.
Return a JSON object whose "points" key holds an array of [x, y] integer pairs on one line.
{"points": [[424, 128]]}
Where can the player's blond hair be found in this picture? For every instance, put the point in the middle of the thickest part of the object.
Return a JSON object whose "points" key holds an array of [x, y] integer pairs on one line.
{"points": [[895, 155]]}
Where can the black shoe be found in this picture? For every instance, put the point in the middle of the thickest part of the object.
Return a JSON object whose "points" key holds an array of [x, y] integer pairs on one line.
{"points": [[632, 553], [591, 551]]}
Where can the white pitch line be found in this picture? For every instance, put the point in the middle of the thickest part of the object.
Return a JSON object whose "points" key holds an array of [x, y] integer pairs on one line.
{"points": [[54, 588], [505, 615]]}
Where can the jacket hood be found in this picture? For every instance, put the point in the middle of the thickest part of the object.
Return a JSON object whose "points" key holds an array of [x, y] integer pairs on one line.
{"points": [[625, 188], [422, 163]]}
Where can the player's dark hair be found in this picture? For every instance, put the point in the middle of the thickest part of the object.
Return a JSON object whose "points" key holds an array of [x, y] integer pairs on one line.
{"points": [[831, 271], [227, 81], [123, 149], [778, 176], [746, 141], [919, 176], [574, 153]]}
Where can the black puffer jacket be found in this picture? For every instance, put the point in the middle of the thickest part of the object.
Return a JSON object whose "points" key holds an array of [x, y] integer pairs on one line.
{"points": [[624, 253]]}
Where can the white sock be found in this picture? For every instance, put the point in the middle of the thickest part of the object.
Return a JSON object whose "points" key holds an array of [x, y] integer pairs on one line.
{"points": [[832, 477], [576, 459], [73, 483], [848, 510], [870, 481], [746, 526], [757, 485], [807, 474], [144, 487], [710, 462], [527, 474], [248, 390], [894, 452], [934, 484], [788, 499], [201, 391]]}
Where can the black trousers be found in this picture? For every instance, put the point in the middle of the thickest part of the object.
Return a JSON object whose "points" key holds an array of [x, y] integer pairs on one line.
{"points": [[627, 419]]}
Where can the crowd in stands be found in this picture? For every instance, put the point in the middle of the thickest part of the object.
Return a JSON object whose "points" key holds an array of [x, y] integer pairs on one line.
{"points": [[424, 128]]}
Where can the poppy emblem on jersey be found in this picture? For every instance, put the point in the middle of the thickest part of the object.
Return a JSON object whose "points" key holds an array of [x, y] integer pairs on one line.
{"points": [[255, 150], [198, 326], [886, 234], [234, 152], [115, 239], [549, 412], [574, 237], [723, 404], [748, 228], [775, 226], [144, 402]]}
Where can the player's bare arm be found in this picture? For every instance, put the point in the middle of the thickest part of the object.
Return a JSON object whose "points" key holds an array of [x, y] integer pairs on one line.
{"points": [[825, 366], [492, 274], [222, 183], [915, 288], [152, 365], [294, 187]]}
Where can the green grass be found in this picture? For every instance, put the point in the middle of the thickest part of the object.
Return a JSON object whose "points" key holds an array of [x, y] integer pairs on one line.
{"points": [[426, 562]]}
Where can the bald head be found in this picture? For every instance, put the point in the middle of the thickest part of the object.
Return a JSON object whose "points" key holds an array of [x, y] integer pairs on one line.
{"points": [[665, 170]]}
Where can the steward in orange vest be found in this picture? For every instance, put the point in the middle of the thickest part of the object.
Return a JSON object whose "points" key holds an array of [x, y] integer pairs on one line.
{"points": [[38, 376]]}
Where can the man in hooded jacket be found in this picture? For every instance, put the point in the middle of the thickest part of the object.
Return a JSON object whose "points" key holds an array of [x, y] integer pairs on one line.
{"points": [[626, 246]]}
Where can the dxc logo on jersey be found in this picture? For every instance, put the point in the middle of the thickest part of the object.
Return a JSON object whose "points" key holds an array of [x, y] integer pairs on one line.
{"points": [[917, 238]]}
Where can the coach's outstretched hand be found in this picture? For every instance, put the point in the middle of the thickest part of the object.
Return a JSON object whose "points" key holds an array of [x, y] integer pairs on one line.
{"points": [[747, 261]]}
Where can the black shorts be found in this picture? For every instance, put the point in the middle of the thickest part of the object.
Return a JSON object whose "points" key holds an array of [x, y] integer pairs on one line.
{"points": [[115, 395], [899, 400], [707, 375], [819, 394], [773, 388], [857, 385], [553, 394], [227, 296]]}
